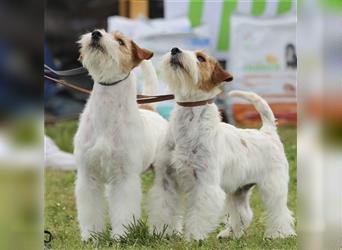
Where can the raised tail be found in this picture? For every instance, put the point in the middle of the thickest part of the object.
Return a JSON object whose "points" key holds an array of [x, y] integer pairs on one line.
{"points": [[151, 79], [267, 116]]}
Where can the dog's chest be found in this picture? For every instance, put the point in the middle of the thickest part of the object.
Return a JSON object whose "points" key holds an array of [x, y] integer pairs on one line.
{"points": [[112, 142], [194, 149], [192, 128], [184, 125], [105, 135]]}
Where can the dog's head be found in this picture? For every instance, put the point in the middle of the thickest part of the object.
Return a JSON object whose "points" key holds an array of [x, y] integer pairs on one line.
{"points": [[193, 74], [110, 56]]}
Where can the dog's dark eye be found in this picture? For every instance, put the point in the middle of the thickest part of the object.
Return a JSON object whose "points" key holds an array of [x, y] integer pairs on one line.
{"points": [[200, 58], [120, 41]]}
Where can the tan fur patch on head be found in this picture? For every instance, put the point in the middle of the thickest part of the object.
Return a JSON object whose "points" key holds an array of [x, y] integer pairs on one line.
{"points": [[131, 53], [211, 73], [125, 51]]}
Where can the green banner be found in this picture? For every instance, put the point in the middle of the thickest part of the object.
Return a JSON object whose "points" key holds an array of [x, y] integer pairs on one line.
{"points": [[223, 42], [258, 7], [332, 5], [284, 6], [195, 12], [196, 9]]}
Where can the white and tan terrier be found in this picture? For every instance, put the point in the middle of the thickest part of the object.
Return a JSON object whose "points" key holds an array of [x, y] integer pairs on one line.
{"points": [[115, 140], [207, 167]]}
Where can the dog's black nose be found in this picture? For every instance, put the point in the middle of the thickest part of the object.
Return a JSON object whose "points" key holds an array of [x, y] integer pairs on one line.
{"points": [[175, 51], [96, 35]]}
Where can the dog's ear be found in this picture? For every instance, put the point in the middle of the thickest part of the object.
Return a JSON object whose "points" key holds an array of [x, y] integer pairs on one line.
{"points": [[220, 75], [140, 53]]}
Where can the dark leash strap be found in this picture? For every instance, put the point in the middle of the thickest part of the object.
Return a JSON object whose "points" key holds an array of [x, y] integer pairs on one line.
{"points": [[145, 99], [69, 85], [141, 99]]}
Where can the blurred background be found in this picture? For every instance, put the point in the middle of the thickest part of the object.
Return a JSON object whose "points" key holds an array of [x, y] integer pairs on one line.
{"points": [[21, 124], [255, 40]]}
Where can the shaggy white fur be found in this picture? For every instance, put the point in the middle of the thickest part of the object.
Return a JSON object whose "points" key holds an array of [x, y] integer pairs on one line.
{"points": [[206, 168], [115, 140]]}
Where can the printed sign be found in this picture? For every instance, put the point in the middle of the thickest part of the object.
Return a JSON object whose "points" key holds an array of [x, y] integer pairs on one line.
{"points": [[263, 60]]}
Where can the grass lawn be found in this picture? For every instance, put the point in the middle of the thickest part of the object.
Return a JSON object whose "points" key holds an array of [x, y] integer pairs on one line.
{"points": [[61, 219]]}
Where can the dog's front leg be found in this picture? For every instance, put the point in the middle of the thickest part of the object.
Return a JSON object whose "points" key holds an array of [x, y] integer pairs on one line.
{"points": [[124, 199], [164, 207], [204, 205], [89, 201]]}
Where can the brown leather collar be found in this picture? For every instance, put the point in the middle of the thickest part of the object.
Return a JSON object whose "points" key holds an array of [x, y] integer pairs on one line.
{"points": [[116, 82], [197, 103]]}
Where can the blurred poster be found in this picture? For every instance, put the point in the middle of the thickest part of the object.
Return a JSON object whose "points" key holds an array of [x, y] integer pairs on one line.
{"points": [[217, 15], [264, 60]]}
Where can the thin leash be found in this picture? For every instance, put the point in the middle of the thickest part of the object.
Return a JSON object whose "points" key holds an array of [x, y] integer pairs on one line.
{"points": [[141, 99], [69, 85]]}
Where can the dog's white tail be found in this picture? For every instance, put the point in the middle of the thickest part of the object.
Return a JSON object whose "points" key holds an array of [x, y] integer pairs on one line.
{"points": [[151, 79], [267, 116]]}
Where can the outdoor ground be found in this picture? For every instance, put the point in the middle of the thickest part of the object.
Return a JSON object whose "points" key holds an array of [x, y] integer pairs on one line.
{"points": [[60, 211]]}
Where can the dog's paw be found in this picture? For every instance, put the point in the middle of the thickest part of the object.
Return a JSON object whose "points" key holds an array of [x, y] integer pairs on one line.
{"points": [[226, 233], [238, 234], [117, 233], [116, 236], [279, 234], [85, 236], [167, 230], [195, 237], [92, 240]]}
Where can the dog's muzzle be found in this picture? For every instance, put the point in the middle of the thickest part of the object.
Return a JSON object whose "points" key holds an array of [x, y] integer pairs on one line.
{"points": [[175, 51], [95, 36], [175, 60], [95, 40]]}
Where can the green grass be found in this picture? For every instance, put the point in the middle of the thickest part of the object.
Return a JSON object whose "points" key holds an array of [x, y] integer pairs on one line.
{"points": [[61, 220]]}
